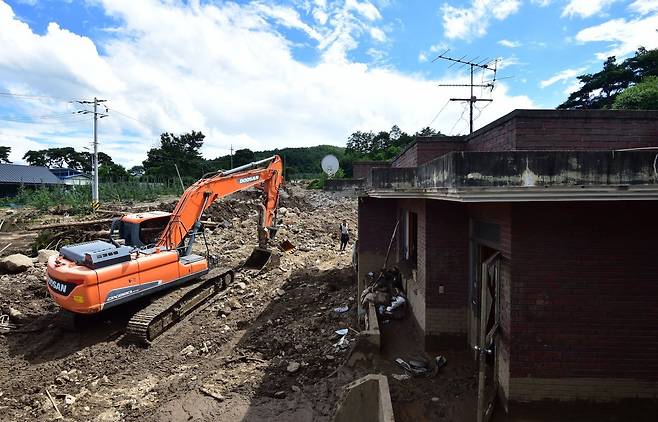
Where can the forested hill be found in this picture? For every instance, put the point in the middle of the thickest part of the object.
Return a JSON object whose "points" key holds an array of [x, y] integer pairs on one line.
{"points": [[299, 162]]}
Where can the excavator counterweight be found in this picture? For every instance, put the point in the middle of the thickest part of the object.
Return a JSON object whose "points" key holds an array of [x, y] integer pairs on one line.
{"points": [[149, 253]]}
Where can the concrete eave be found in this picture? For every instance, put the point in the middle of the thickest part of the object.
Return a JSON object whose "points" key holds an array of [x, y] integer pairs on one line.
{"points": [[524, 194]]}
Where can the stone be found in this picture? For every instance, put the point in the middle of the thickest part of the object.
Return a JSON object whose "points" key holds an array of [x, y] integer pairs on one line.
{"points": [[44, 254], [69, 399], [435, 399], [295, 389], [283, 211], [15, 314], [188, 350], [233, 303], [240, 285], [280, 292], [280, 395], [16, 263], [293, 367]]}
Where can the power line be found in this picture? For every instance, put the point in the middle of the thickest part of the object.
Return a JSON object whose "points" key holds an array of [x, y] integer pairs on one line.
{"points": [[33, 97]]}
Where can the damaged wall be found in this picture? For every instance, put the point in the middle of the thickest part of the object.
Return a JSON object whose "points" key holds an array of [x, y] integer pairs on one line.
{"points": [[377, 219]]}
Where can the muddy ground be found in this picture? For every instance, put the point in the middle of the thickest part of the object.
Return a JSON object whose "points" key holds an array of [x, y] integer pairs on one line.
{"points": [[264, 352]]}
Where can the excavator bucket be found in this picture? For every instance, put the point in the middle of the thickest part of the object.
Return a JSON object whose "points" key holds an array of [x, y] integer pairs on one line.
{"points": [[286, 246], [258, 259]]}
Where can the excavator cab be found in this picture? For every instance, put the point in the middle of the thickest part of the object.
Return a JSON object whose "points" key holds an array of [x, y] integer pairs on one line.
{"points": [[140, 229]]}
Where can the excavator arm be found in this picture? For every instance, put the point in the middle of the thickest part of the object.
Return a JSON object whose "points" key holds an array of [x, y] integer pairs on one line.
{"points": [[197, 198]]}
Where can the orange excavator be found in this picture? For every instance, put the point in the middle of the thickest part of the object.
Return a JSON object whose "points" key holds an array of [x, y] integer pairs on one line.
{"points": [[150, 252]]}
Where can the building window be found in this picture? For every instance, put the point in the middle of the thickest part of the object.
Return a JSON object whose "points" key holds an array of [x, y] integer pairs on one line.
{"points": [[410, 237]]}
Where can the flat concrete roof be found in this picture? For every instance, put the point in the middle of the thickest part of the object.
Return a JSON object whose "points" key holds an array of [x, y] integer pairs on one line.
{"points": [[524, 176]]}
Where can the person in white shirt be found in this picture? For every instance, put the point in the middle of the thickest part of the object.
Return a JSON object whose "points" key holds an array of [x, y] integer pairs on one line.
{"points": [[344, 235]]}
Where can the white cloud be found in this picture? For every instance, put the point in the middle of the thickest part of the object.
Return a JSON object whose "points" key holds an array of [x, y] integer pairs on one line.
{"points": [[473, 22], [234, 77], [422, 57], [377, 34], [622, 36], [585, 8], [541, 3], [563, 76], [510, 44], [644, 6]]}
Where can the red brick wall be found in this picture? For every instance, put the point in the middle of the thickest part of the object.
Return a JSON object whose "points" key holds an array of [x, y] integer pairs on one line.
{"points": [[585, 290], [429, 150], [424, 150], [447, 257], [596, 132], [361, 169], [567, 130], [493, 137], [408, 158]]}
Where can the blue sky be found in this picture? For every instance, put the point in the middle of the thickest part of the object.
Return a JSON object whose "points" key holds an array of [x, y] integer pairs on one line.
{"points": [[289, 73]]}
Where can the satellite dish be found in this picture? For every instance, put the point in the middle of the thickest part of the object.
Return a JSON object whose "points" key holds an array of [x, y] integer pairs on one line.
{"points": [[330, 165]]}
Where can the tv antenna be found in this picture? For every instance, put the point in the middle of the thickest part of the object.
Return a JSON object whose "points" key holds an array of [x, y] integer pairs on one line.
{"points": [[484, 64]]}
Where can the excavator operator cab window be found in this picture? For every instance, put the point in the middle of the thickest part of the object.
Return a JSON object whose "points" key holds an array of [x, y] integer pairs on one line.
{"points": [[149, 230]]}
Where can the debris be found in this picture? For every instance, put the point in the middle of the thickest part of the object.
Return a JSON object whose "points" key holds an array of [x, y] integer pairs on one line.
{"points": [[70, 224], [342, 309], [293, 367], [280, 292], [286, 246], [210, 390], [44, 254], [435, 399], [233, 303], [15, 314], [296, 389], [280, 395], [396, 302], [416, 369], [52, 400], [188, 350], [441, 361], [342, 331], [69, 399], [240, 285], [401, 377], [16, 263], [3, 249], [4, 323], [342, 344]]}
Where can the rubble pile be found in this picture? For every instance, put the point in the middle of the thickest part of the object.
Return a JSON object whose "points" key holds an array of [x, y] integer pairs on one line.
{"points": [[265, 347]]}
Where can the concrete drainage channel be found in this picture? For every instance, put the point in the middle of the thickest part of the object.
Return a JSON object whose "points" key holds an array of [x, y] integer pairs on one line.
{"points": [[367, 400]]}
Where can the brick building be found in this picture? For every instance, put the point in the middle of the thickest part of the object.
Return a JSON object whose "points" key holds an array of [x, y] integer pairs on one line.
{"points": [[555, 212]]}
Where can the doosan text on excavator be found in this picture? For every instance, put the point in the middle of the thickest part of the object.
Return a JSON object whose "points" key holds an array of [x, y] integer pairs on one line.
{"points": [[149, 253]]}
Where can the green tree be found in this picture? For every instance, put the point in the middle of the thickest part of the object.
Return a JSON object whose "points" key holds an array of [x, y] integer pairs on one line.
{"points": [[642, 96], [4, 154], [242, 157], [599, 90], [176, 150]]}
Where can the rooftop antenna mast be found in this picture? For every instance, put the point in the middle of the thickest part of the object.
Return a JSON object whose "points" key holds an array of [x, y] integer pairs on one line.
{"points": [[484, 64]]}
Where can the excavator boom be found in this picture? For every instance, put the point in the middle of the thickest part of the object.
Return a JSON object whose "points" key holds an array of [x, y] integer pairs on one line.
{"points": [[198, 197]]}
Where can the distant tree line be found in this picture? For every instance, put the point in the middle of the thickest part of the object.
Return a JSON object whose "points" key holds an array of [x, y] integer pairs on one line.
{"points": [[629, 85], [184, 152]]}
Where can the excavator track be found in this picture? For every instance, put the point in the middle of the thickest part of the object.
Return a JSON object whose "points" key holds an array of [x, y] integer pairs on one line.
{"points": [[161, 314]]}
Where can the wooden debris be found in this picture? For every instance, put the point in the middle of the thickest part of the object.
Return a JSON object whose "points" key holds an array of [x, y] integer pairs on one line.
{"points": [[52, 400], [71, 224]]}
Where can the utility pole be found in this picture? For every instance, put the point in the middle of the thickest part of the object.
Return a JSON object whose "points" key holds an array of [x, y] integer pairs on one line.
{"points": [[482, 64], [231, 156], [94, 187]]}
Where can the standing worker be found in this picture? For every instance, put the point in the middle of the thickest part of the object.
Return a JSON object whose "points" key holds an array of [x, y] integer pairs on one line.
{"points": [[344, 235]]}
